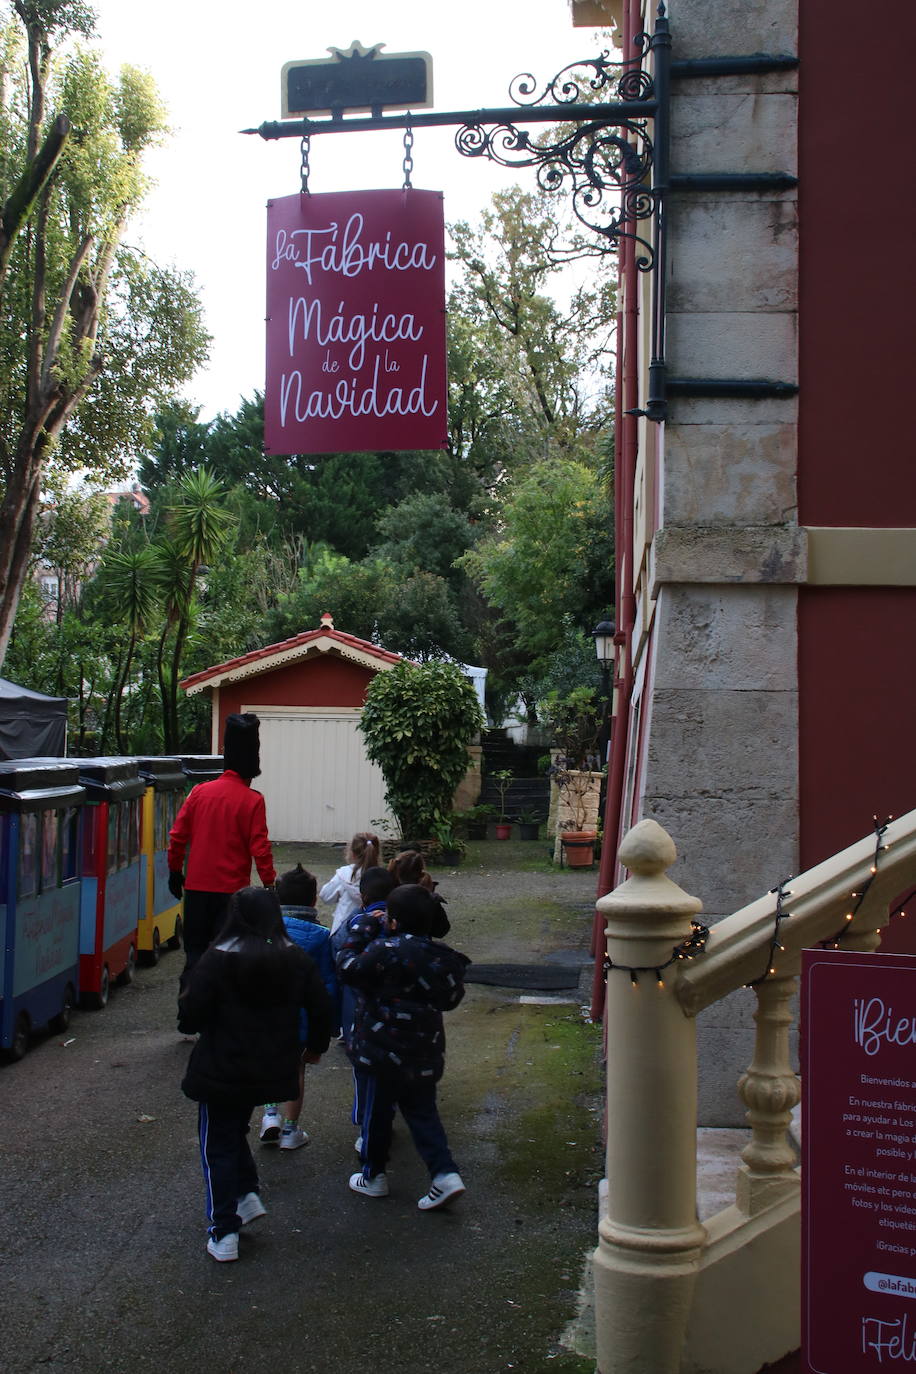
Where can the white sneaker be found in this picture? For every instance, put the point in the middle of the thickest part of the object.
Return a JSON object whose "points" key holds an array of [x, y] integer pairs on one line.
{"points": [[369, 1187], [444, 1188], [292, 1138], [225, 1249], [271, 1124], [358, 1144], [249, 1208]]}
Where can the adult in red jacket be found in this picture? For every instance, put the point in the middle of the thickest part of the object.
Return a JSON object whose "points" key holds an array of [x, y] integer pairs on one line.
{"points": [[221, 828]]}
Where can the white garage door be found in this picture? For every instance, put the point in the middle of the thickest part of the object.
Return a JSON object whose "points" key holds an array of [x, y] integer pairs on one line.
{"points": [[317, 782]]}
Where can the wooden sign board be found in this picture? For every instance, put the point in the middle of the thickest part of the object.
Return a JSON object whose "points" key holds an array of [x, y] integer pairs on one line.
{"points": [[357, 80]]}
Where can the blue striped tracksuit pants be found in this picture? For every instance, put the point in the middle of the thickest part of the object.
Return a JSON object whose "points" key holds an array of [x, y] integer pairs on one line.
{"points": [[227, 1162]]}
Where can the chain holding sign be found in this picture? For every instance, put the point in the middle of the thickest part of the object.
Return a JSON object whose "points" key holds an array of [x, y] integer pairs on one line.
{"points": [[356, 322]]}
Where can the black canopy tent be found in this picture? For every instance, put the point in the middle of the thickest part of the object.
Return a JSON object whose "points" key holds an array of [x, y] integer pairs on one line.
{"points": [[31, 724]]}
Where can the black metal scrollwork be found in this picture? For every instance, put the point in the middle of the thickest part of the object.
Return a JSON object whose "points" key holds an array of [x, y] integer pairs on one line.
{"points": [[605, 165]]}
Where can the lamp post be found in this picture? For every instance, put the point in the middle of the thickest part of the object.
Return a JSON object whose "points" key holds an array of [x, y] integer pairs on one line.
{"points": [[603, 635]]}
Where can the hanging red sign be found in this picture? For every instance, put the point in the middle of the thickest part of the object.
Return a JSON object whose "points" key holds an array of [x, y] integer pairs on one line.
{"points": [[356, 323]]}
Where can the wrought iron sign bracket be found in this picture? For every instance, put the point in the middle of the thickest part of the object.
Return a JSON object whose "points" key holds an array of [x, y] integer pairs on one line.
{"points": [[606, 154], [612, 157]]}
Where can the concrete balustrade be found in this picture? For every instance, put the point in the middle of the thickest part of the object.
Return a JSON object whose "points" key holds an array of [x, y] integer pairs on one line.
{"points": [[673, 1296]]}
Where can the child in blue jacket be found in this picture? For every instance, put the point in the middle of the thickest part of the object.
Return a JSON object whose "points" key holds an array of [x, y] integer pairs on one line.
{"points": [[297, 891], [405, 981]]}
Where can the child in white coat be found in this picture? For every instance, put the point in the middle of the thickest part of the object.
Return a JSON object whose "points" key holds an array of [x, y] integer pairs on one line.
{"points": [[343, 888]]}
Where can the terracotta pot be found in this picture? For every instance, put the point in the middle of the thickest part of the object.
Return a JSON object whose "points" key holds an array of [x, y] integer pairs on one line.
{"points": [[504, 830], [580, 847]]}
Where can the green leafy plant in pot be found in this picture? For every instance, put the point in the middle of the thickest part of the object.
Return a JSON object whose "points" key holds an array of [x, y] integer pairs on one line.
{"points": [[503, 781], [471, 824], [450, 848], [529, 824]]}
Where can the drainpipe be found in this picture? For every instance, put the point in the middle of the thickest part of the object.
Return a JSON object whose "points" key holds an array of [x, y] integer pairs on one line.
{"points": [[627, 399]]}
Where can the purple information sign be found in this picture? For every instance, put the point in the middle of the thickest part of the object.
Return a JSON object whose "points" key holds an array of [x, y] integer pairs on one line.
{"points": [[356, 323], [859, 1161]]}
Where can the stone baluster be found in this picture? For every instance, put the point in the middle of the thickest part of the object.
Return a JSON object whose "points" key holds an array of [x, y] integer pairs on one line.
{"points": [[649, 1239], [769, 1089]]}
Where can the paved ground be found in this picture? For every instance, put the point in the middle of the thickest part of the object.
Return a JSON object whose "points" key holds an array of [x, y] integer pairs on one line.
{"points": [[102, 1261]]}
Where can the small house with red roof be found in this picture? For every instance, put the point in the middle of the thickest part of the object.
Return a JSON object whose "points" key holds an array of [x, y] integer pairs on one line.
{"points": [[308, 692]]}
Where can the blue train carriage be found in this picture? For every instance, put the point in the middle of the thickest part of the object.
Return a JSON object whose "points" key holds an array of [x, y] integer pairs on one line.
{"points": [[160, 914], [41, 801], [110, 899]]}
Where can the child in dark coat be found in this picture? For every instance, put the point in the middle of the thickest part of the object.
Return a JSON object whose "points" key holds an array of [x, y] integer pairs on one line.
{"points": [[244, 996], [406, 980], [296, 893]]}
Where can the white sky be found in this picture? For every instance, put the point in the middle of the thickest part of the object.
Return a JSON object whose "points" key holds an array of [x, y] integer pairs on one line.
{"points": [[217, 65]]}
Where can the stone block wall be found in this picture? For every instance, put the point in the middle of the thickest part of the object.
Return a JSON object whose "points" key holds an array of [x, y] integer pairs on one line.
{"points": [[720, 758]]}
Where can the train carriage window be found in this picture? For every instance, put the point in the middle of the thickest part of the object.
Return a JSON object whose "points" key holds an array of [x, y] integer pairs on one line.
{"points": [[69, 843], [114, 811], [162, 826], [50, 834], [28, 854], [133, 829]]}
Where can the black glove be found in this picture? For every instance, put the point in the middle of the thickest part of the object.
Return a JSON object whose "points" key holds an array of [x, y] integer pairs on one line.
{"points": [[176, 884]]}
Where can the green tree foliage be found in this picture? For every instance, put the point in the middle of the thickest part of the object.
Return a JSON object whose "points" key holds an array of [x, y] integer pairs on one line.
{"points": [[90, 331], [550, 563], [425, 533], [177, 443], [71, 530], [417, 722], [542, 357]]}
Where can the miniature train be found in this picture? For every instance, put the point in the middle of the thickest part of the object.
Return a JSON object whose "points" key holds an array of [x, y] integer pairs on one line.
{"points": [[84, 880]]}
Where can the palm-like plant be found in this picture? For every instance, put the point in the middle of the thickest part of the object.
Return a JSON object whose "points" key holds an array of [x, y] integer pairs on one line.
{"points": [[129, 583], [199, 525]]}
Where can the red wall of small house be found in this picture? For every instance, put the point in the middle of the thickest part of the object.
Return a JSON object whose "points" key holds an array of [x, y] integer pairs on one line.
{"points": [[322, 681]]}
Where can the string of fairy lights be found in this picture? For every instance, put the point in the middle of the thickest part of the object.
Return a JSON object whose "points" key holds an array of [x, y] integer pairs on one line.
{"points": [[689, 948], [695, 943], [856, 900]]}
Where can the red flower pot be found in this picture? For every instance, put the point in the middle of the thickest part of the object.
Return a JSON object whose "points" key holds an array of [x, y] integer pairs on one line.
{"points": [[579, 846]]}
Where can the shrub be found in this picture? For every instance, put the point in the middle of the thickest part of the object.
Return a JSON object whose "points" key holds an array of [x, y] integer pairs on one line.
{"points": [[417, 722]]}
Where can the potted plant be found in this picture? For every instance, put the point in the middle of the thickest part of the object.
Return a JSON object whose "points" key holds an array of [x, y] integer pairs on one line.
{"points": [[503, 781], [450, 849], [529, 824], [575, 725], [471, 824]]}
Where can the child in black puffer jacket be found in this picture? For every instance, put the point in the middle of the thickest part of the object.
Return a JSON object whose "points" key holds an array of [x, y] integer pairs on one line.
{"points": [[244, 996], [406, 980]]}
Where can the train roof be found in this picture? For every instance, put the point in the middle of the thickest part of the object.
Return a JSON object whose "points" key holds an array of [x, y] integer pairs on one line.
{"points": [[113, 777], [164, 772], [39, 783], [202, 767]]}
